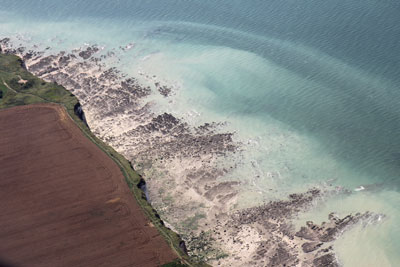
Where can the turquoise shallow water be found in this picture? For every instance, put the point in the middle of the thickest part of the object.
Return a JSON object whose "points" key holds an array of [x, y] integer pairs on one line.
{"points": [[311, 86]]}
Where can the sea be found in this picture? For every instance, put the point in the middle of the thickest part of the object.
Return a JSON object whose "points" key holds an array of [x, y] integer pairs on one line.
{"points": [[311, 87]]}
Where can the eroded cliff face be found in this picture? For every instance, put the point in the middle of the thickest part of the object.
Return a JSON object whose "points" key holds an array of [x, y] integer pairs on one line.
{"points": [[80, 113], [185, 166], [181, 163]]}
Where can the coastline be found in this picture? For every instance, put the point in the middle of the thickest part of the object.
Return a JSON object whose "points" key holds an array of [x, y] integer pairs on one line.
{"points": [[70, 106], [265, 230]]}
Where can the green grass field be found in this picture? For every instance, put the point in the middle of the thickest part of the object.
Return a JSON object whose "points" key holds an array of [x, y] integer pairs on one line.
{"points": [[20, 87]]}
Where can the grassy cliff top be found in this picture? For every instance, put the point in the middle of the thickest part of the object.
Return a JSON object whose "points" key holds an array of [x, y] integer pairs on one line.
{"points": [[20, 87]]}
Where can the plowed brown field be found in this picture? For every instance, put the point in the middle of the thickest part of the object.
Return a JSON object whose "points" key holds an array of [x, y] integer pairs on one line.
{"points": [[64, 202]]}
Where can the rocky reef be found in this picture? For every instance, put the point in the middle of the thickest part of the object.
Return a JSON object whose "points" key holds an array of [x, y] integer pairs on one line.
{"points": [[268, 237], [184, 167], [179, 162]]}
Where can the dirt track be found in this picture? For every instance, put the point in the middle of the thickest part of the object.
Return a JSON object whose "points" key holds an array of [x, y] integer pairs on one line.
{"points": [[63, 202]]}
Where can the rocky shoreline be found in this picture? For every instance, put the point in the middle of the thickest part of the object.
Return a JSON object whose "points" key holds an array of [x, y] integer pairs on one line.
{"points": [[183, 170], [268, 237]]}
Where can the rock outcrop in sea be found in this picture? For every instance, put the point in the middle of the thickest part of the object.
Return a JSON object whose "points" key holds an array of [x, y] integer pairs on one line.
{"points": [[184, 167]]}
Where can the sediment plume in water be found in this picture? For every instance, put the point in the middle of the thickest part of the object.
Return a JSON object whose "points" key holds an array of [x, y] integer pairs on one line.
{"points": [[186, 166]]}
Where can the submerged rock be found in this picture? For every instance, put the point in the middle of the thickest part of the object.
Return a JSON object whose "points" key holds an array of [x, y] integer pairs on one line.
{"points": [[182, 166], [327, 260], [310, 246]]}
